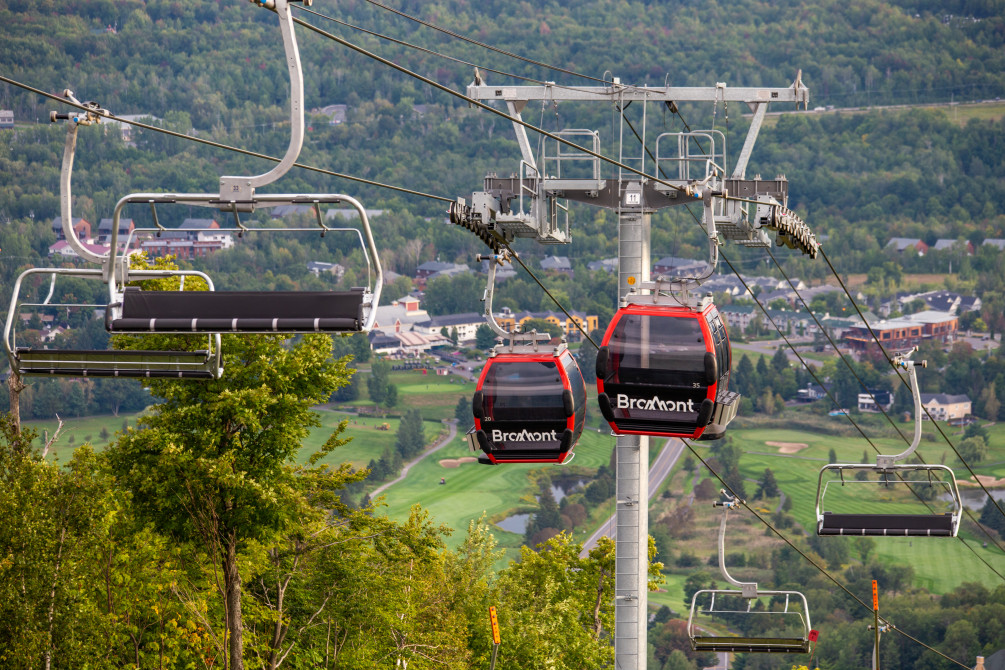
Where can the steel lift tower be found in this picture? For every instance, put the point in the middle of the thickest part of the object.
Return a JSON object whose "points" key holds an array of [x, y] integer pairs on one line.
{"points": [[687, 167]]}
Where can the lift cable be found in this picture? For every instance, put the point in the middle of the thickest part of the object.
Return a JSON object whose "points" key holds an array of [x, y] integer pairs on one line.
{"points": [[549, 294], [969, 513], [218, 145], [435, 53], [410, 191], [853, 422], [482, 105], [799, 551], [931, 418], [482, 44]]}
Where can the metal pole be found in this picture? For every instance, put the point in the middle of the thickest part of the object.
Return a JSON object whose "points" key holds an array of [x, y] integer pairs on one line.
{"points": [[632, 461]]}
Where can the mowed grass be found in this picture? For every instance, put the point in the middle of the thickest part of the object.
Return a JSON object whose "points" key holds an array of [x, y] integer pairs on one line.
{"points": [[940, 564], [473, 490], [79, 430], [435, 396]]}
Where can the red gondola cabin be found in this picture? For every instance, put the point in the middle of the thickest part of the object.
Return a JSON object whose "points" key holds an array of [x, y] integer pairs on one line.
{"points": [[529, 407], [663, 369]]}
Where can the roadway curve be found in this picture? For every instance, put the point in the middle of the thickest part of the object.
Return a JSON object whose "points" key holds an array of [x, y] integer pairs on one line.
{"points": [[451, 434], [658, 471]]}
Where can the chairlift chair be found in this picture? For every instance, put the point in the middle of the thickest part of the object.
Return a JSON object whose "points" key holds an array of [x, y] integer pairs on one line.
{"points": [[204, 363], [888, 473], [663, 369], [530, 402], [794, 615], [133, 310]]}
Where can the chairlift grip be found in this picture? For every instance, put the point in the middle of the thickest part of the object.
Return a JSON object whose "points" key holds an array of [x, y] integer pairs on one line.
{"points": [[236, 189]]}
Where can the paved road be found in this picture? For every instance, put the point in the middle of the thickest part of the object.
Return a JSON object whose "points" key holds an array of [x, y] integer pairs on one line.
{"points": [[658, 471], [451, 434]]}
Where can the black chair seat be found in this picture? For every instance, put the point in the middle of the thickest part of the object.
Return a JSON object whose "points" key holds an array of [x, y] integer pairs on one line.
{"points": [[767, 645], [239, 311], [902, 525], [136, 364]]}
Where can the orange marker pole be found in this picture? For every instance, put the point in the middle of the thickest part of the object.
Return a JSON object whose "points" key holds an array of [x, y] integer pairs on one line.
{"points": [[496, 639], [875, 612]]}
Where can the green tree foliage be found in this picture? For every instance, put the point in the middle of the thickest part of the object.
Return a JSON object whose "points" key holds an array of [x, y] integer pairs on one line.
{"points": [[485, 337], [356, 345], [410, 440], [993, 518], [973, 449], [452, 295], [555, 608], [379, 380], [391, 396], [547, 521], [767, 487], [542, 326], [462, 412], [210, 464]]}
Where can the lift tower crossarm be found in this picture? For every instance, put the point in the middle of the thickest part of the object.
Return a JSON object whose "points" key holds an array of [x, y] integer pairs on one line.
{"points": [[797, 93]]}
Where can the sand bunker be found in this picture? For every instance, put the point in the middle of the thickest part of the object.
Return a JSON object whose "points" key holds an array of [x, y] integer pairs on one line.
{"points": [[456, 462], [989, 481], [788, 447]]}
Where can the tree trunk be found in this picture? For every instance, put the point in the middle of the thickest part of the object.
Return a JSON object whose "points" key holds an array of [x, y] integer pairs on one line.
{"points": [[235, 625], [15, 386], [52, 599]]}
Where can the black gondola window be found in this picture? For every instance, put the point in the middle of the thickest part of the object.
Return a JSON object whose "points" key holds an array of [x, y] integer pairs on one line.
{"points": [[673, 346], [527, 391]]}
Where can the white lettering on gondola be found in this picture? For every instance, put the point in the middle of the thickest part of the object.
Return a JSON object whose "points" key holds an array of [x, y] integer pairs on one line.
{"points": [[524, 436], [654, 403]]}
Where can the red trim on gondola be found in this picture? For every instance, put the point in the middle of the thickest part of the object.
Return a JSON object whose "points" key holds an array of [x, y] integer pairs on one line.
{"points": [[559, 361], [651, 426]]}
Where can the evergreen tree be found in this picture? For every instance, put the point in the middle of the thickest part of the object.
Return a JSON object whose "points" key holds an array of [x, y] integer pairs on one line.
{"points": [[462, 412], [391, 396], [767, 487], [410, 439], [780, 362], [744, 377], [377, 383], [485, 337], [349, 392], [992, 517]]}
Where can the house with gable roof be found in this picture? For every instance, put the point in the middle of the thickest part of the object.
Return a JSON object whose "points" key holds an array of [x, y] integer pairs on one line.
{"points": [[80, 226], [902, 244]]}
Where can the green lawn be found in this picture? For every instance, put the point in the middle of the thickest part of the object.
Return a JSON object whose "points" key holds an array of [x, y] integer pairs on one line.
{"points": [[78, 430], [940, 564], [435, 396], [473, 489]]}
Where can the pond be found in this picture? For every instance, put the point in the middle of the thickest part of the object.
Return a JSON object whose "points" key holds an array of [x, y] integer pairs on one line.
{"points": [[517, 523], [975, 498]]}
